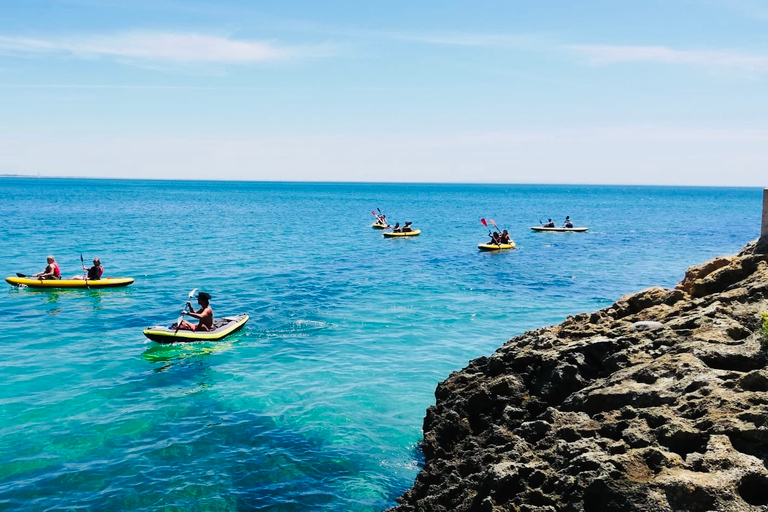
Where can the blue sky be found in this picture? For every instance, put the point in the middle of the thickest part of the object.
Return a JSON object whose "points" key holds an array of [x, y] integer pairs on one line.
{"points": [[646, 92]]}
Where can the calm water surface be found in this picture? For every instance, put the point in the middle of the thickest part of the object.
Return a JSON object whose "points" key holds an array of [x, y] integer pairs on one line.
{"points": [[318, 403]]}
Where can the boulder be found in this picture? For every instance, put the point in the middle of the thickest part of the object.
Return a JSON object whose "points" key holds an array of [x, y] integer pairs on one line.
{"points": [[657, 403]]}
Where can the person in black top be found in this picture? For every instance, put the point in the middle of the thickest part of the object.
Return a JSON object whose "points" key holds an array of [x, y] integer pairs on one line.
{"points": [[407, 227], [96, 271], [504, 238], [92, 274], [568, 223], [549, 224]]}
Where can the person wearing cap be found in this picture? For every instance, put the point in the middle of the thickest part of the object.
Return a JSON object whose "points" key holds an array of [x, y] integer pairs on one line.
{"points": [[396, 229], [549, 224], [407, 227], [204, 314], [51, 271], [568, 223]]}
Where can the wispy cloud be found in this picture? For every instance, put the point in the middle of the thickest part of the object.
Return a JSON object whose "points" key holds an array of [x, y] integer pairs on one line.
{"points": [[427, 37], [464, 39], [606, 54], [167, 47]]}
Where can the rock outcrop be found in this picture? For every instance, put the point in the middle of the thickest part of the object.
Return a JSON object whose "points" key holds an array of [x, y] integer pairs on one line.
{"points": [[657, 403]]}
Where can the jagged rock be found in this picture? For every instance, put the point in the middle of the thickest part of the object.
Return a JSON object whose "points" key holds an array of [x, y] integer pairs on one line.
{"points": [[699, 272], [647, 325], [657, 403]]}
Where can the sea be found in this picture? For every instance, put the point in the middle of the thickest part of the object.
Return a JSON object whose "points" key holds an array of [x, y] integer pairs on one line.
{"points": [[317, 404]]}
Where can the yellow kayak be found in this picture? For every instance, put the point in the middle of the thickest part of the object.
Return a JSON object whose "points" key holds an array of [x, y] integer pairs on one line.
{"points": [[223, 327], [496, 247], [104, 282], [376, 225], [415, 232]]}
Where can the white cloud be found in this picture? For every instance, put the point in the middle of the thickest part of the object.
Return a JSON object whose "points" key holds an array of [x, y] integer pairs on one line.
{"points": [[168, 47], [606, 54]]}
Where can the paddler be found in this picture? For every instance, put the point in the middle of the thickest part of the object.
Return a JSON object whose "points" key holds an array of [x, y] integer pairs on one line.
{"points": [[94, 273], [407, 227], [51, 271], [204, 314], [549, 224], [568, 223], [505, 239]]}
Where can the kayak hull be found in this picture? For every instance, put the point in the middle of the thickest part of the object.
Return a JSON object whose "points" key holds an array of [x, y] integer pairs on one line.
{"points": [[496, 247], [106, 282], [415, 232], [559, 230], [226, 325], [376, 225]]}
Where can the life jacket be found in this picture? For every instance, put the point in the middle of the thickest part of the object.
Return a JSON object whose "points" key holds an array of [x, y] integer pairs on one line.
{"points": [[95, 272], [56, 271]]}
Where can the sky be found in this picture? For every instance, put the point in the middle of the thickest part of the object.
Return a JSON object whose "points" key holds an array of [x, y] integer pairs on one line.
{"points": [[666, 92]]}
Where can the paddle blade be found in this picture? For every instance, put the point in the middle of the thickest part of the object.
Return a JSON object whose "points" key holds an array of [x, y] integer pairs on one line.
{"points": [[378, 210], [494, 224], [20, 275], [483, 221], [192, 293]]}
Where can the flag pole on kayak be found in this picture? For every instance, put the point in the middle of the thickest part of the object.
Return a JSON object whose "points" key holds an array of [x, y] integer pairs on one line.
{"points": [[181, 316]]}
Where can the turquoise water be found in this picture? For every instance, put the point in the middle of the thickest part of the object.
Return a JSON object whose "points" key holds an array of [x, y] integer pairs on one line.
{"points": [[318, 403]]}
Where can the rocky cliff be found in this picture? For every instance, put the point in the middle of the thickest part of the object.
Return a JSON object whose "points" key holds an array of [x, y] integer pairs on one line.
{"points": [[657, 403]]}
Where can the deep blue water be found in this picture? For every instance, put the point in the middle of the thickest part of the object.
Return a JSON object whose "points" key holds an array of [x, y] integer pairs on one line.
{"points": [[318, 403]]}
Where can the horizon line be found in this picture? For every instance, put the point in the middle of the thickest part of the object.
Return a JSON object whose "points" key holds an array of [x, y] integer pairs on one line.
{"points": [[332, 182]]}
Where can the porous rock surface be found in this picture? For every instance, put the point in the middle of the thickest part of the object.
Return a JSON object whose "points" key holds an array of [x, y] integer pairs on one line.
{"points": [[657, 403]]}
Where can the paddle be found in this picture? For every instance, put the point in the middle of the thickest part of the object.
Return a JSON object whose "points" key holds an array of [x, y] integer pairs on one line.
{"points": [[21, 275], [378, 219], [486, 225], [181, 316], [497, 230], [85, 274]]}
